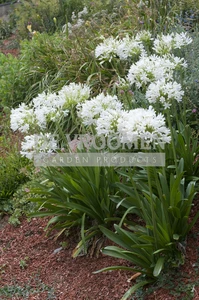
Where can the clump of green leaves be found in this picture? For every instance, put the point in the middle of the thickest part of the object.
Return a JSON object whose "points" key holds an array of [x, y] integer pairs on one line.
{"points": [[43, 15], [13, 172], [33, 287], [78, 196], [13, 83], [5, 29]]}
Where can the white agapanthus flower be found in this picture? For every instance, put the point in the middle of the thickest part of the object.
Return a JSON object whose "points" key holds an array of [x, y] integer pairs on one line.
{"points": [[164, 92], [22, 118], [47, 107], [73, 94], [107, 50], [38, 143], [164, 44], [106, 124], [142, 126], [90, 110], [144, 36], [129, 47], [182, 39], [149, 69], [178, 62]]}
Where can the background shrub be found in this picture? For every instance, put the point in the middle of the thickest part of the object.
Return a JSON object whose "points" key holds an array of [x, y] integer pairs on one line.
{"points": [[13, 172]]}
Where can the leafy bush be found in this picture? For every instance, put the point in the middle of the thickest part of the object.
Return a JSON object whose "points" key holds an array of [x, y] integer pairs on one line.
{"points": [[192, 73], [5, 29], [78, 196], [43, 15], [21, 206], [12, 173], [13, 82], [157, 240], [5, 1]]}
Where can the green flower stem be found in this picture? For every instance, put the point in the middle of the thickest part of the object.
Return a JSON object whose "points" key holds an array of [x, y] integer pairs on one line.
{"points": [[172, 137], [152, 208]]}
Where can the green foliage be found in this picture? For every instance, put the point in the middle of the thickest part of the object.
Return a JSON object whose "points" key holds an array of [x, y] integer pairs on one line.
{"points": [[192, 73], [5, 29], [175, 281], [33, 287], [20, 200], [78, 196], [37, 13], [49, 62], [13, 83], [43, 15], [5, 1], [13, 172], [156, 241]]}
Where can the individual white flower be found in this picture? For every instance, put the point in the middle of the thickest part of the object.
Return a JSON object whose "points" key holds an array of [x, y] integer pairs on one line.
{"points": [[22, 118], [106, 124], [164, 92], [149, 69], [107, 50], [42, 143], [90, 110], [142, 127]]}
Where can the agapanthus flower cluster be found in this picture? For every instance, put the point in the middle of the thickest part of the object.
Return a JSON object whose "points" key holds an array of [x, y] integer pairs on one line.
{"points": [[107, 50], [143, 125], [164, 92], [133, 47], [45, 109], [92, 109], [38, 143], [127, 47], [48, 107], [22, 118], [107, 123], [73, 94], [164, 44], [152, 68], [144, 36]]}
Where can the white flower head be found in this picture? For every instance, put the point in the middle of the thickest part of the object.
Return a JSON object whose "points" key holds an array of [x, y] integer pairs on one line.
{"points": [[164, 92], [47, 107], [182, 39], [128, 47], [42, 143], [73, 94], [164, 44], [143, 125], [144, 36], [106, 124], [22, 118], [90, 110], [149, 69], [107, 50]]}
